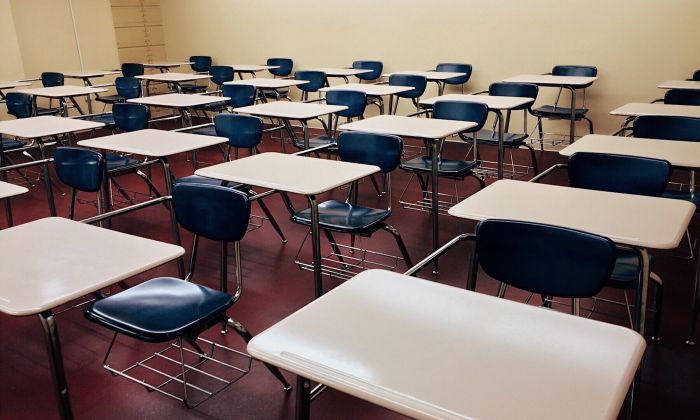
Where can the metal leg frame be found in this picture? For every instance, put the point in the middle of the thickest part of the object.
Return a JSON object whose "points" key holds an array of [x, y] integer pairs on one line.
{"points": [[316, 247], [175, 228], [53, 346]]}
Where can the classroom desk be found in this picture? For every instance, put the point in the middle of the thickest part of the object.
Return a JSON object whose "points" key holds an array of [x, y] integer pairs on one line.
{"points": [[172, 78], [637, 109], [165, 66], [261, 83], [427, 350], [251, 69], [293, 174], [372, 91], [680, 84], [86, 75], [571, 83], [8, 190], [182, 102], [438, 77], [292, 111], [10, 84], [432, 130], [36, 128], [633, 220], [341, 72], [496, 104], [61, 93], [86, 259]]}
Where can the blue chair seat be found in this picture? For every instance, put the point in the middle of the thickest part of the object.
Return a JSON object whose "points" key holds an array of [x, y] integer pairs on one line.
{"points": [[106, 119], [47, 111], [317, 142], [624, 275], [192, 88], [10, 144], [111, 99], [513, 140], [552, 111], [446, 167], [684, 195], [160, 309], [273, 93], [205, 131], [213, 107], [117, 162], [196, 179], [340, 216]]}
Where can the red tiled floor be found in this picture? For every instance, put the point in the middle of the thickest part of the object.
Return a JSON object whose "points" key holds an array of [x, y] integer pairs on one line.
{"points": [[274, 288]]}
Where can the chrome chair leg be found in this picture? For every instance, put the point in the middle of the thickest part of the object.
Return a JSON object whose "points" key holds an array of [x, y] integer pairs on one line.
{"points": [[272, 220], [400, 243]]}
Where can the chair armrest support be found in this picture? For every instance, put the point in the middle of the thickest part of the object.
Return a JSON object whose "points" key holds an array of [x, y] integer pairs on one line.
{"points": [[549, 171], [427, 260], [129, 209]]}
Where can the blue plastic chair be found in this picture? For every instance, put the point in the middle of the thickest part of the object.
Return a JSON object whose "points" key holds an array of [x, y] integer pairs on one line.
{"points": [[316, 79], [50, 79], [221, 74], [80, 169], [199, 64], [284, 68], [456, 68], [347, 216], [127, 88], [19, 105], [626, 175], [241, 95], [696, 75], [130, 116], [166, 308], [556, 112], [544, 259], [356, 102], [449, 168], [418, 83], [512, 140], [132, 69], [682, 97], [376, 66]]}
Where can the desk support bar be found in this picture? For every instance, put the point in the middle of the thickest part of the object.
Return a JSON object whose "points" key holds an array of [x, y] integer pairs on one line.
{"points": [[119, 212], [549, 171], [438, 252]]}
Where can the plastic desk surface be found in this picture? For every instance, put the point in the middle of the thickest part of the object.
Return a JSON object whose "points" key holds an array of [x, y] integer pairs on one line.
{"points": [[637, 109], [635, 220], [430, 75], [64, 91], [150, 142], [45, 125], [493, 102], [680, 84], [166, 64], [10, 190], [335, 71], [252, 67], [685, 154], [290, 173], [551, 80], [178, 100], [427, 128], [268, 83], [290, 110], [370, 89], [56, 260], [10, 84], [83, 74], [173, 77], [428, 350]]}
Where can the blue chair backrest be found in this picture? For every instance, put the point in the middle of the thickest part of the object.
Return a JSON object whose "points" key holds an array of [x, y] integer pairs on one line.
{"points": [[19, 105], [696, 75], [130, 117], [128, 87], [382, 150], [682, 97], [317, 79], [544, 259], [51, 79], [462, 111], [619, 173], [375, 66], [456, 68], [285, 66], [79, 168], [200, 63], [522, 90], [221, 74], [417, 82], [667, 128], [132, 69], [241, 130], [356, 102], [568, 70], [211, 211], [241, 95]]}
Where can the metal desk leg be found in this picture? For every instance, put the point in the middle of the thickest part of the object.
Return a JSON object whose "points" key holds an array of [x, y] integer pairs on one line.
{"points": [[391, 105], [53, 346], [434, 202], [87, 83], [641, 297], [694, 303], [316, 247], [173, 221], [501, 133], [305, 130], [303, 409], [47, 178], [572, 123]]}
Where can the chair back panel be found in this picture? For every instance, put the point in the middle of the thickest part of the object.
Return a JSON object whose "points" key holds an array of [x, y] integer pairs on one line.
{"points": [[456, 68], [462, 111], [696, 75], [79, 168], [132, 69], [667, 128], [356, 102], [285, 66], [211, 211], [200, 63], [418, 83], [130, 117], [51, 79], [18, 104], [241, 130], [682, 97], [544, 259], [221, 74], [128, 87], [376, 66], [382, 150], [241, 95], [316, 79], [619, 173], [568, 70], [522, 90]]}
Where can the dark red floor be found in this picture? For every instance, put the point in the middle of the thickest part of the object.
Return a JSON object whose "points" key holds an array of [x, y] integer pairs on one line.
{"points": [[273, 288]]}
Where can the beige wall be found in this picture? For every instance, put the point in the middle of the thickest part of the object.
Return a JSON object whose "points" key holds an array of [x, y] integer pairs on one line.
{"points": [[634, 43], [11, 66]]}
